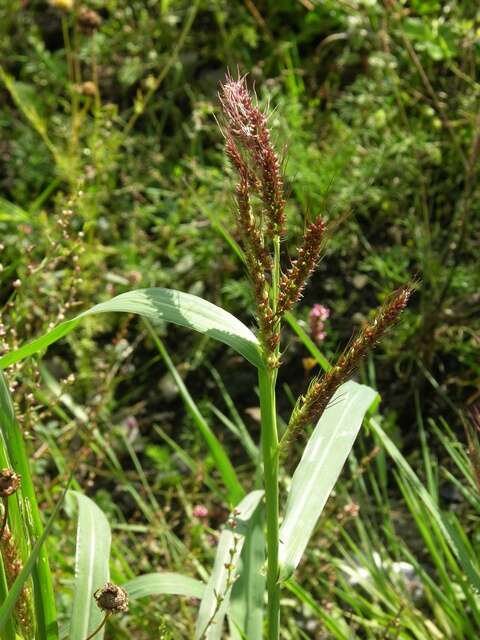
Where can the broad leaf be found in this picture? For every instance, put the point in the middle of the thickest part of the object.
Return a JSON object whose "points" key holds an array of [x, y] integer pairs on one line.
{"points": [[319, 468], [212, 612], [91, 567], [166, 305], [157, 584]]}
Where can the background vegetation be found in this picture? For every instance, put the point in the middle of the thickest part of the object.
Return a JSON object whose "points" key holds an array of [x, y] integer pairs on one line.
{"points": [[112, 176]]}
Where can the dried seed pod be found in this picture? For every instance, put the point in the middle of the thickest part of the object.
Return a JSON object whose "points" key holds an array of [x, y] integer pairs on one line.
{"points": [[88, 20], [88, 88], [111, 598], [9, 482]]}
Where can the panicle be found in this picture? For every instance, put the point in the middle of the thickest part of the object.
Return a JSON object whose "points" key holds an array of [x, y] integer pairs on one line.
{"points": [[295, 279], [247, 125], [321, 390]]}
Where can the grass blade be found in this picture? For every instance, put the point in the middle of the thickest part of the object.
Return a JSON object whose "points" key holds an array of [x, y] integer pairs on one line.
{"points": [[45, 610], [157, 304], [472, 571], [212, 610], [319, 468], [91, 566], [157, 584]]}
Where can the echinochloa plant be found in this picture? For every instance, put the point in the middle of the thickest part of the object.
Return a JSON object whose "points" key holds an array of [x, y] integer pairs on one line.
{"points": [[261, 224], [278, 282]]}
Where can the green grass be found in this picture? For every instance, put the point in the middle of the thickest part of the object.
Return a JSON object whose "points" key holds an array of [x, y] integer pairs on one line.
{"points": [[126, 189]]}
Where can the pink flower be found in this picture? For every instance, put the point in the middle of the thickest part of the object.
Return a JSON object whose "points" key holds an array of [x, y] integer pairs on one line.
{"points": [[320, 312], [317, 316], [200, 511]]}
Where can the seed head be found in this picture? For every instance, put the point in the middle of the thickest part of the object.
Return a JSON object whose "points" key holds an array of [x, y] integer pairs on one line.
{"points": [[111, 598], [9, 482], [88, 20], [321, 390]]}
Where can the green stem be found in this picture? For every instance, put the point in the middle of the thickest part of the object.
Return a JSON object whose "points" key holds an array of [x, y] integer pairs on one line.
{"points": [[266, 379]]}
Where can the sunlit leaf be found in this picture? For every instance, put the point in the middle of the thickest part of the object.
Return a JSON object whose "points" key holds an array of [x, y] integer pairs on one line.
{"points": [[156, 305], [245, 613], [319, 468], [156, 584], [92, 557]]}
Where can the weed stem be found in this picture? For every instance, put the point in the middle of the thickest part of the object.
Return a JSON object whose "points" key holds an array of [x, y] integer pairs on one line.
{"points": [[100, 626]]}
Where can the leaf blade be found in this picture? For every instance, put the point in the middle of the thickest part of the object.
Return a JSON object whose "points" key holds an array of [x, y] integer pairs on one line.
{"points": [[246, 609], [153, 584], [159, 304], [45, 608], [91, 566], [319, 468]]}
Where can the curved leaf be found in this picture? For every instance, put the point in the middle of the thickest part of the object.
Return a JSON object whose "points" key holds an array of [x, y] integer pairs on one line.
{"points": [[156, 305], [318, 470], [157, 584], [91, 567]]}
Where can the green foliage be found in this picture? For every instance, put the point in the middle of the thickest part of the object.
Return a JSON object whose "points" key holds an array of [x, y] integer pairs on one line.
{"points": [[121, 185]]}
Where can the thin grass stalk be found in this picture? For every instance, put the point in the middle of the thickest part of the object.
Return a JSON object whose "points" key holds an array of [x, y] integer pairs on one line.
{"points": [[267, 379]]}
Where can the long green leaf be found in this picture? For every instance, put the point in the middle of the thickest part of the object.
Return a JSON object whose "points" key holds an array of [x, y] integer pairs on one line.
{"points": [[245, 613], [91, 566], [472, 571], [157, 584], [45, 611], [15, 590], [156, 305], [211, 615], [319, 468]]}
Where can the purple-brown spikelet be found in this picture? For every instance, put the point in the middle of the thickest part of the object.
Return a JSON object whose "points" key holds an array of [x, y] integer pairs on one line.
{"points": [[295, 279], [248, 127], [321, 390], [247, 225]]}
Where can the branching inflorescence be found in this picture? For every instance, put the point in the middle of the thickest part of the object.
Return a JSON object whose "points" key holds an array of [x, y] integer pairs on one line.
{"points": [[248, 146]]}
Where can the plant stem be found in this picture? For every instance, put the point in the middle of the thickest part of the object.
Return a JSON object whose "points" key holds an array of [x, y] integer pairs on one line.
{"points": [[94, 633], [266, 379]]}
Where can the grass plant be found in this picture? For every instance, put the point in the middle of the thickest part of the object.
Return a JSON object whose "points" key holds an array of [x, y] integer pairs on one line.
{"points": [[261, 224]]}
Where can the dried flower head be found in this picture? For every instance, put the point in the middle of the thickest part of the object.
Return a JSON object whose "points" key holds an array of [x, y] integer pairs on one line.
{"points": [[88, 88], [294, 280], [111, 598], [9, 482], [88, 20]]}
